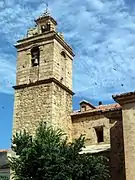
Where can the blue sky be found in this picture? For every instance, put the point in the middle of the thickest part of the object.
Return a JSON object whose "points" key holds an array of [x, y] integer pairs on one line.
{"points": [[101, 33]]}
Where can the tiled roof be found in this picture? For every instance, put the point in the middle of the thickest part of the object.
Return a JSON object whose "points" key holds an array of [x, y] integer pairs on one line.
{"points": [[123, 95], [3, 150], [124, 98], [108, 107], [88, 103], [99, 109]]}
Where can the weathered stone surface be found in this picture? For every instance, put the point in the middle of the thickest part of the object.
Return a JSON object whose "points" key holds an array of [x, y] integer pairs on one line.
{"points": [[86, 125], [48, 101], [32, 105], [129, 137]]}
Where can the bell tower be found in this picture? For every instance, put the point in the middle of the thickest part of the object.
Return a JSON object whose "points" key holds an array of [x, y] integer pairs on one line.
{"points": [[43, 90]]}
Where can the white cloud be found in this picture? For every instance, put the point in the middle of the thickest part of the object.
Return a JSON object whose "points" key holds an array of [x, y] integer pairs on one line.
{"points": [[7, 73], [102, 33]]}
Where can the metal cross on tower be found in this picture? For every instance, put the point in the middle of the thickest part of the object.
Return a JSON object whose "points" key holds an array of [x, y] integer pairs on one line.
{"points": [[47, 10]]}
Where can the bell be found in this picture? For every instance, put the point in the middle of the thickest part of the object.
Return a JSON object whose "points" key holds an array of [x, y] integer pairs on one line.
{"points": [[36, 62], [43, 27]]}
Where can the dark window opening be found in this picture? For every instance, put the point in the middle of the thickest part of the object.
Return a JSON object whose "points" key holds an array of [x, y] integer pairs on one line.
{"points": [[83, 108], [45, 28], [63, 54], [100, 134], [35, 55]]}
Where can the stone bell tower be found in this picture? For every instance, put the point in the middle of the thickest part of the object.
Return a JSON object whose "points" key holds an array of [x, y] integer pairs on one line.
{"points": [[43, 90]]}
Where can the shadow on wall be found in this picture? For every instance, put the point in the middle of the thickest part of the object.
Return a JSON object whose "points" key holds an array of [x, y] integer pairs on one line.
{"points": [[117, 163]]}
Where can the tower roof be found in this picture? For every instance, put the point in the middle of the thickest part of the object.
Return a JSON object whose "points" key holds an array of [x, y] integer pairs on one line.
{"points": [[46, 16]]}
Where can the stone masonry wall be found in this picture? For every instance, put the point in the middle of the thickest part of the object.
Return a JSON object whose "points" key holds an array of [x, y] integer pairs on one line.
{"points": [[62, 66], [47, 102], [31, 105], [128, 111], [113, 135], [61, 109], [50, 101], [117, 164], [26, 73], [85, 125]]}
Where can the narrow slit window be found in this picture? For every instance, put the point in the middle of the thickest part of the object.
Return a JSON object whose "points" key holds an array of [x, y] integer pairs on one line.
{"points": [[99, 134]]}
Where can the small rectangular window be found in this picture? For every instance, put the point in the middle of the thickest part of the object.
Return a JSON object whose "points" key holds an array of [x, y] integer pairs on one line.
{"points": [[99, 133], [83, 108]]}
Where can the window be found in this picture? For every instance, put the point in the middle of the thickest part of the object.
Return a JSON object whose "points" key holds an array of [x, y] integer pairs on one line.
{"points": [[35, 55], [45, 28], [83, 108], [63, 54], [99, 133]]}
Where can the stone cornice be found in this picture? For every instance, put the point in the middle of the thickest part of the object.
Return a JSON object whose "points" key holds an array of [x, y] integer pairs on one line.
{"points": [[64, 44], [97, 148], [86, 114], [46, 81], [43, 37], [125, 98], [42, 18]]}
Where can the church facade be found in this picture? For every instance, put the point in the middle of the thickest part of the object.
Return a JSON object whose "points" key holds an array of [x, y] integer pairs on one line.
{"points": [[43, 92]]}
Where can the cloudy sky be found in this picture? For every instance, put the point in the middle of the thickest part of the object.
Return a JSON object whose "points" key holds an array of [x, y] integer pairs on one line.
{"points": [[101, 33]]}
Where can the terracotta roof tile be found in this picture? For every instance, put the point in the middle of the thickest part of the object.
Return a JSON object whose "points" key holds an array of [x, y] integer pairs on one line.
{"points": [[88, 103], [124, 98], [3, 150], [108, 106], [99, 109], [123, 95]]}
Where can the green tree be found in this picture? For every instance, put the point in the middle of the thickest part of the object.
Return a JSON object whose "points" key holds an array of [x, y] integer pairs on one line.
{"points": [[49, 156]]}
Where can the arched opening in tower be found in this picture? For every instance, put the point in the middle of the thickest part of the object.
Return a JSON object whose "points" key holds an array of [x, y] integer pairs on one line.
{"points": [[35, 56]]}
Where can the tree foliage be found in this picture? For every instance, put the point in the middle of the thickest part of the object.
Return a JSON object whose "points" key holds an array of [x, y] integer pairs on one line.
{"points": [[49, 156]]}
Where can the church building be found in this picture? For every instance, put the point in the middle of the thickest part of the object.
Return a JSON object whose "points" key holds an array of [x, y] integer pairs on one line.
{"points": [[43, 92]]}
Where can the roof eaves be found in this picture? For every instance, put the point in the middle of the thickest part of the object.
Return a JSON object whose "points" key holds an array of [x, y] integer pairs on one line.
{"points": [[124, 97], [88, 103]]}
